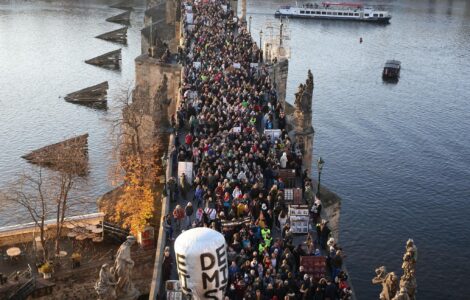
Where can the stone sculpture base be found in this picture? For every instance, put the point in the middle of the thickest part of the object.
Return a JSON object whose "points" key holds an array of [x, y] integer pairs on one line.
{"points": [[131, 295]]}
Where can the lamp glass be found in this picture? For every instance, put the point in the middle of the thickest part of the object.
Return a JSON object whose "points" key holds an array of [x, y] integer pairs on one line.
{"points": [[320, 163]]}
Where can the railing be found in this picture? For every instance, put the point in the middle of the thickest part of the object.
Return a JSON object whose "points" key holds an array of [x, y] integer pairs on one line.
{"points": [[27, 288], [115, 230], [161, 241]]}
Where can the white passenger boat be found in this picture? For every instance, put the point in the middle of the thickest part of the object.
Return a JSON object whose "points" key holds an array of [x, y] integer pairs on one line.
{"points": [[335, 11]]}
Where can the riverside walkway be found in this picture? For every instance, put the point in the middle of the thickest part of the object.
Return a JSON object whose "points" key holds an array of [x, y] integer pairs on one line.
{"points": [[228, 100]]}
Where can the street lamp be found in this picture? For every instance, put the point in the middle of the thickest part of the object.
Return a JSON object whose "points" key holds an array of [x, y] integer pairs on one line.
{"points": [[260, 46], [249, 24], [260, 38], [320, 164]]}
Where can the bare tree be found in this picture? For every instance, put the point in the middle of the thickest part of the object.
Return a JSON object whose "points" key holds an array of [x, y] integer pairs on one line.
{"points": [[65, 181], [46, 193], [127, 126], [29, 191]]}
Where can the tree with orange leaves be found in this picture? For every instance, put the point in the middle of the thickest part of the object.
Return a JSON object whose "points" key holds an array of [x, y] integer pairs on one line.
{"points": [[138, 165]]}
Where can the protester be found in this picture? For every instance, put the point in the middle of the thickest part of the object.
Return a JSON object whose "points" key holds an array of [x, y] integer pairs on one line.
{"points": [[228, 99], [178, 215], [167, 225], [189, 210], [167, 264]]}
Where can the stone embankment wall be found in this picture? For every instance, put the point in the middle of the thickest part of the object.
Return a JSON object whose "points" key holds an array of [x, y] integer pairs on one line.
{"points": [[299, 123]]}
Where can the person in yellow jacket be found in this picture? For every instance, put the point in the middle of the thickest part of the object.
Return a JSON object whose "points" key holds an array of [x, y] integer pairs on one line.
{"points": [[264, 232], [261, 247], [268, 240]]}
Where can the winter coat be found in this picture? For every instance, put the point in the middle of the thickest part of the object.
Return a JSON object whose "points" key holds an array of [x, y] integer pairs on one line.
{"points": [[189, 210]]}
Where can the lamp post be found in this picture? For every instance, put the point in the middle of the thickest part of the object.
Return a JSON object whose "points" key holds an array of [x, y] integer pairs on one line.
{"points": [[260, 46], [260, 38], [249, 24], [320, 164]]}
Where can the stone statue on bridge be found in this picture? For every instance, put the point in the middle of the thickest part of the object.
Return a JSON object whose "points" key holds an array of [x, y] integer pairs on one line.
{"points": [[407, 284], [122, 271], [408, 279], [105, 286], [160, 50], [162, 102], [402, 295], [389, 282], [303, 120], [303, 97]]}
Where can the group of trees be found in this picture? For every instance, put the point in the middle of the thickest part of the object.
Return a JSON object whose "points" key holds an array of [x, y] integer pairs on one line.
{"points": [[50, 193]]}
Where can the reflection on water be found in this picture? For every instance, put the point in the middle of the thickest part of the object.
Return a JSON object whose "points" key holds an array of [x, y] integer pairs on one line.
{"points": [[398, 154], [43, 46]]}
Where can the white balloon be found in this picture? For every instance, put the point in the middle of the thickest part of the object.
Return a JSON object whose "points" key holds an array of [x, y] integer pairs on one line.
{"points": [[201, 259]]}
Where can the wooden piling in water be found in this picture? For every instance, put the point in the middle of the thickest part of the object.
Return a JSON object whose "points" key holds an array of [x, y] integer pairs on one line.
{"points": [[124, 5], [109, 60], [93, 96], [70, 155], [117, 36], [123, 18]]}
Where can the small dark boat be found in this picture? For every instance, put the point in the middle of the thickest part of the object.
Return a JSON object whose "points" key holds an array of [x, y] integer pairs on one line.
{"points": [[391, 70]]}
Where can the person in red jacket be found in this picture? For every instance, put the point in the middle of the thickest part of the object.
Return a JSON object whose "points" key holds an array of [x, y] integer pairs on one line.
{"points": [[188, 139]]}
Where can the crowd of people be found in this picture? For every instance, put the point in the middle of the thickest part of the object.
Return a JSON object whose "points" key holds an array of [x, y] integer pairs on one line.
{"points": [[228, 100]]}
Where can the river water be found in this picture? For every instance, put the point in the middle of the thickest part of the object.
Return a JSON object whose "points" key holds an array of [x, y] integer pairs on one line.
{"points": [[43, 45], [397, 154]]}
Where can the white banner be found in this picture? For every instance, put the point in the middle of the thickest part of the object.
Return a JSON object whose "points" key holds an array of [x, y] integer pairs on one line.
{"points": [[274, 133], [186, 167], [173, 290], [299, 218], [189, 18]]}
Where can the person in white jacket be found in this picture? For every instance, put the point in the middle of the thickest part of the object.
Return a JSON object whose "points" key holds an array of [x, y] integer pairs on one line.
{"points": [[283, 160], [282, 219]]}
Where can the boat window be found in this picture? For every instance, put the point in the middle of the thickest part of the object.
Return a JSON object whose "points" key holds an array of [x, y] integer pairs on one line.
{"points": [[376, 15], [318, 12], [350, 14], [366, 15], [335, 13], [356, 14], [381, 15], [323, 12], [302, 11], [328, 13], [340, 14]]}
